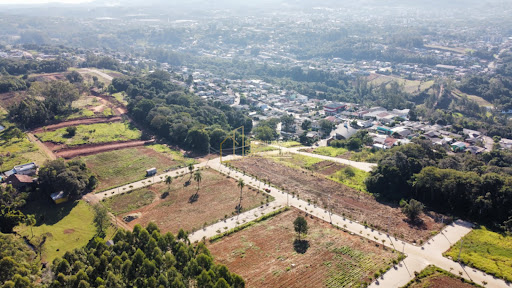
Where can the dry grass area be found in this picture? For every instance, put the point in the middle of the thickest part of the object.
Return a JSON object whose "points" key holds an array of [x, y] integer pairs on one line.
{"points": [[434, 277], [345, 201], [264, 256], [217, 196]]}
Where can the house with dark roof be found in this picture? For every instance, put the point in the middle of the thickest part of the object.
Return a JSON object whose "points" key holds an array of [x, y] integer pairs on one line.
{"points": [[19, 181]]}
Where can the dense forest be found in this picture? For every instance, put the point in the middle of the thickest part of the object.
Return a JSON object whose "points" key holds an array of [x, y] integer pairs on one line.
{"points": [[475, 187], [143, 258], [175, 114]]}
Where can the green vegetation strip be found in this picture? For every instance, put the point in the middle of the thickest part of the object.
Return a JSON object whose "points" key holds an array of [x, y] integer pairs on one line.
{"points": [[129, 201], [248, 224], [487, 251]]}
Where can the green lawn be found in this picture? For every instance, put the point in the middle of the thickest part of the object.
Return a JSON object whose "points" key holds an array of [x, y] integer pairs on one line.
{"points": [[94, 133], [120, 97], [14, 151], [330, 151], [296, 160], [288, 144], [68, 226], [351, 177], [119, 167], [486, 250]]}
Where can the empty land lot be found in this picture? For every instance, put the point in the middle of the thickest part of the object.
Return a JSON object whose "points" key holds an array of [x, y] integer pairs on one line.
{"points": [[485, 250], [218, 196], [345, 201], [264, 256], [115, 168], [92, 134]]}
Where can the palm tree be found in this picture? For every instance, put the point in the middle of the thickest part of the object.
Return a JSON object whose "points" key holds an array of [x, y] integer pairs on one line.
{"points": [[198, 177], [240, 185], [30, 221], [168, 181], [190, 168]]}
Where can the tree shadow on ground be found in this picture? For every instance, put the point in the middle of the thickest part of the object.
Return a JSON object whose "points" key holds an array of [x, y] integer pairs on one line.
{"points": [[300, 246], [193, 198], [47, 212]]}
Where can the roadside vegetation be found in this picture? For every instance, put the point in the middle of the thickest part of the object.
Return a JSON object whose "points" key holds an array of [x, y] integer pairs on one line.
{"points": [[485, 250], [92, 134], [130, 201], [16, 148]]}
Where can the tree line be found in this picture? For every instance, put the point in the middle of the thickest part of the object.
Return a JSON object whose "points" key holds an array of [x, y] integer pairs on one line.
{"points": [[475, 187], [182, 118]]}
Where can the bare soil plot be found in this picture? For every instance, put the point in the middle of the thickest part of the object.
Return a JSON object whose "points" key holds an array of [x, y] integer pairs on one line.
{"points": [[218, 196], [264, 256], [434, 277], [345, 201], [10, 98]]}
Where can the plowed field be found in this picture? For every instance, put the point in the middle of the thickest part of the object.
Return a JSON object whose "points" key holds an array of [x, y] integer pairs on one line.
{"points": [[346, 201]]}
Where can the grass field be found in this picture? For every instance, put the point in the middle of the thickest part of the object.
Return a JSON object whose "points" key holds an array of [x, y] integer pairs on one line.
{"points": [[68, 226], [93, 134], [487, 251], [410, 86], [257, 148], [287, 144], [346, 175], [115, 168], [435, 277], [14, 151], [218, 196], [120, 97], [263, 254], [120, 204], [365, 155]]}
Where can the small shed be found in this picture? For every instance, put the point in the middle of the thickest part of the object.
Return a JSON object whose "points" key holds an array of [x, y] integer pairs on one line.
{"points": [[59, 197], [151, 172], [110, 243]]}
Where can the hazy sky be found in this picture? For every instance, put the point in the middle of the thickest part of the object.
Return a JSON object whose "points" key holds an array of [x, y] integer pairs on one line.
{"points": [[40, 1]]}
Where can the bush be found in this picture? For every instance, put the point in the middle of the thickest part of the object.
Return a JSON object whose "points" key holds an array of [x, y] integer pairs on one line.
{"points": [[413, 210], [71, 131]]}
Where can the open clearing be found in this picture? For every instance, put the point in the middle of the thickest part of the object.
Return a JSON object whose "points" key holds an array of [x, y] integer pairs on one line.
{"points": [[68, 226], [487, 251], [365, 155], [410, 86], [218, 196], [16, 151], [434, 277], [349, 176], [344, 201], [93, 134], [264, 256], [54, 127], [115, 168]]}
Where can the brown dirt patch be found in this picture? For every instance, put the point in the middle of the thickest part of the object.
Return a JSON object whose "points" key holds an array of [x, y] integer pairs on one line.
{"points": [[77, 122], [48, 77], [264, 256], [218, 196], [83, 150], [69, 231], [10, 98], [327, 167], [439, 280], [345, 201]]}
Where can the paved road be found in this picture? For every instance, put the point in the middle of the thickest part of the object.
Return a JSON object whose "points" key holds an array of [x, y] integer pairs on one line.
{"points": [[359, 165]]}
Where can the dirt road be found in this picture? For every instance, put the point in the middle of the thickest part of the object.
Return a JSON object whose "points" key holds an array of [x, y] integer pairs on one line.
{"points": [[41, 146], [68, 153], [76, 123]]}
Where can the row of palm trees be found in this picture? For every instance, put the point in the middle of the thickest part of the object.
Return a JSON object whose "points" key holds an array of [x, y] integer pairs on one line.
{"points": [[198, 177]]}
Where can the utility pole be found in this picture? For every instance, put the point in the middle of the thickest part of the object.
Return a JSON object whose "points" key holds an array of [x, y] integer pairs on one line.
{"points": [[460, 250]]}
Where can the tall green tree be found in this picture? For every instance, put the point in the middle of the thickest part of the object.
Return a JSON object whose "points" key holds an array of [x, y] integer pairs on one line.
{"points": [[198, 177], [101, 218], [301, 226], [241, 185]]}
